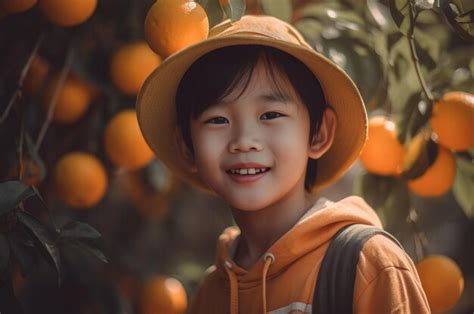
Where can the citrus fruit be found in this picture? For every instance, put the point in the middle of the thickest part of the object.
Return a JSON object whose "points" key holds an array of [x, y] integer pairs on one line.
{"points": [[452, 120], [16, 6], [382, 154], [37, 73], [171, 25], [130, 66], [438, 178], [68, 13], [124, 142], [80, 180], [163, 295], [74, 98], [442, 281]]}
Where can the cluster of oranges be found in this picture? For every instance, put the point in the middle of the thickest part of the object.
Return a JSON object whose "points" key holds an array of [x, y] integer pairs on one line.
{"points": [[451, 123], [58, 12]]}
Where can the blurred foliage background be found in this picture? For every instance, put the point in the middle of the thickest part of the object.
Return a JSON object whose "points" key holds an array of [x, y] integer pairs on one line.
{"points": [[154, 226]]}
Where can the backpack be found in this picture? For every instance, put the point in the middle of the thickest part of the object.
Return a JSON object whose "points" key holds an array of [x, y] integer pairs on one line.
{"points": [[335, 284]]}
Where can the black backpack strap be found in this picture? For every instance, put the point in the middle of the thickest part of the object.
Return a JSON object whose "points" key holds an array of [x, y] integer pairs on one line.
{"points": [[334, 290]]}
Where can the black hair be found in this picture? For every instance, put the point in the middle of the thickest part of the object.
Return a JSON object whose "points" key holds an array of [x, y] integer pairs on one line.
{"points": [[216, 74]]}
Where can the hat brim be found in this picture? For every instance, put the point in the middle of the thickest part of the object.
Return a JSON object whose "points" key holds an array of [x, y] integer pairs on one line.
{"points": [[157, 113]]}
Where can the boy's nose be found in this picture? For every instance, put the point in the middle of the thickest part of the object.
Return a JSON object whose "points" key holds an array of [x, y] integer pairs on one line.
{"points": [[244, 142]]}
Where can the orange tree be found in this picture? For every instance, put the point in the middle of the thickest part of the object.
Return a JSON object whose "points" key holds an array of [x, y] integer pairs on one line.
{"points": [[71, 69]]}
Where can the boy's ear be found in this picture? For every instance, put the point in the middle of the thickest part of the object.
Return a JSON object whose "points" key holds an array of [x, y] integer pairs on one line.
{"points": [[184, 152], [322, 141]]}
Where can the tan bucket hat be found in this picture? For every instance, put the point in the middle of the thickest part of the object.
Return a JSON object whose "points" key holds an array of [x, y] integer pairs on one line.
{"points": [[156, 100]]}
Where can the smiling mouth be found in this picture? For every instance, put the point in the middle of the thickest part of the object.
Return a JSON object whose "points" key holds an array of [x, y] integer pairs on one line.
{"points": [[247, 171]]}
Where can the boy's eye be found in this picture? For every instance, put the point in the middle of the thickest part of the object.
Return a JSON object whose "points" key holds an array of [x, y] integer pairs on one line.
{"points": [[217, 120], [271, 115]]}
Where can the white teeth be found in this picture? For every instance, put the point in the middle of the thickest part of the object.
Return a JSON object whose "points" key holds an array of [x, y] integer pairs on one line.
{"points": [[247, 171]]}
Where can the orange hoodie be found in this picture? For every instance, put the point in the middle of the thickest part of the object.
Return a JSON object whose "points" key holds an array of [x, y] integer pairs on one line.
{"points": [[284, 279]]}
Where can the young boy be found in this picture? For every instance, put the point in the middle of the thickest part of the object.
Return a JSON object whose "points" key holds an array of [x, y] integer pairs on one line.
{"points": [[256, 116]]}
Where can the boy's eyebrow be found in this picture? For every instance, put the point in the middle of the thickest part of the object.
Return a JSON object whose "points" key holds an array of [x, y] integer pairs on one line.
{"points": [[272, 97]]}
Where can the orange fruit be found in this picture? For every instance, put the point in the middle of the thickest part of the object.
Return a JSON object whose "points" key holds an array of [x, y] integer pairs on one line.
{"points": [[172, 25], [130, 66], [80, 180], [16, 6], [163, 295], [442, 281], [438, 178], [75, 97], [452, 120], [383, 153], [68, 13], [30, 172], [124, 142], [37, 73]]}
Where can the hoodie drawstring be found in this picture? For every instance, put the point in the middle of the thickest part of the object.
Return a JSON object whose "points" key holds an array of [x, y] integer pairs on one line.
{"points": [[269, 259], [234, 289]]}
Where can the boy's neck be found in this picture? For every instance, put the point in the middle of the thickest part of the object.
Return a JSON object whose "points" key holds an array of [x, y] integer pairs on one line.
{"points": [[261, 229]]}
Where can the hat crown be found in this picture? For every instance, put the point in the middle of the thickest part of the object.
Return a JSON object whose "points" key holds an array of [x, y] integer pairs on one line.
{"points": [[264, 26]]}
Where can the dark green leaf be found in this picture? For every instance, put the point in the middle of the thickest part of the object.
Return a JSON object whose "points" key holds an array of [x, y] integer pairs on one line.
{"points": [[400, 10], [24, 250], [4, 253], [213, 10], [79, 230], [461, 21], [90, 249], [46, 239], [281, 9], [380, 14], [12, 193], [464, 185]]}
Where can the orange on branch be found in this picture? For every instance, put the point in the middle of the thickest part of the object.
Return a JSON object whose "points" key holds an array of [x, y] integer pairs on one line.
{"points": [[36, 75], [124, 142], [80, 180], [172, 25], [74, 98], [383, 153], [162, 295], [131, 65], [68, 13], [438, 178], [452, 120], [16, 6], [442, 281]]}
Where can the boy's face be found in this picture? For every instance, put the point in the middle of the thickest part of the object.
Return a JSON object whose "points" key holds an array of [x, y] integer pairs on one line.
{"points": [[238, 138]]}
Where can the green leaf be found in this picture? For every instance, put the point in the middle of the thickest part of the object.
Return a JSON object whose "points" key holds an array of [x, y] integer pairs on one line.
{"points": [[380, 14], [89, 249], [12, 193], [400, 10], [281, 9], [461, 20], [234, 9], [79, 230], [4, 253], [464, 185], [213, 10], [23, 248], [46, 239]]}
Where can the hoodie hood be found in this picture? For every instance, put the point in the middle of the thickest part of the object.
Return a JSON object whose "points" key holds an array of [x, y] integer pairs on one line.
{"points": [[314, 230]]}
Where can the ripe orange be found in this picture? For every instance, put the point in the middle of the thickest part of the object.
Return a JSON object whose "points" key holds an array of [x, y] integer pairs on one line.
{"points": [[163, 295], [124, 142], [442, 281], [75, 97], [67, 13], [172, 25], [16, 6], [131, 65], [438, 178], [80, 180], [452, 120], [382, 154], [36, 74], [30, 172]]}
